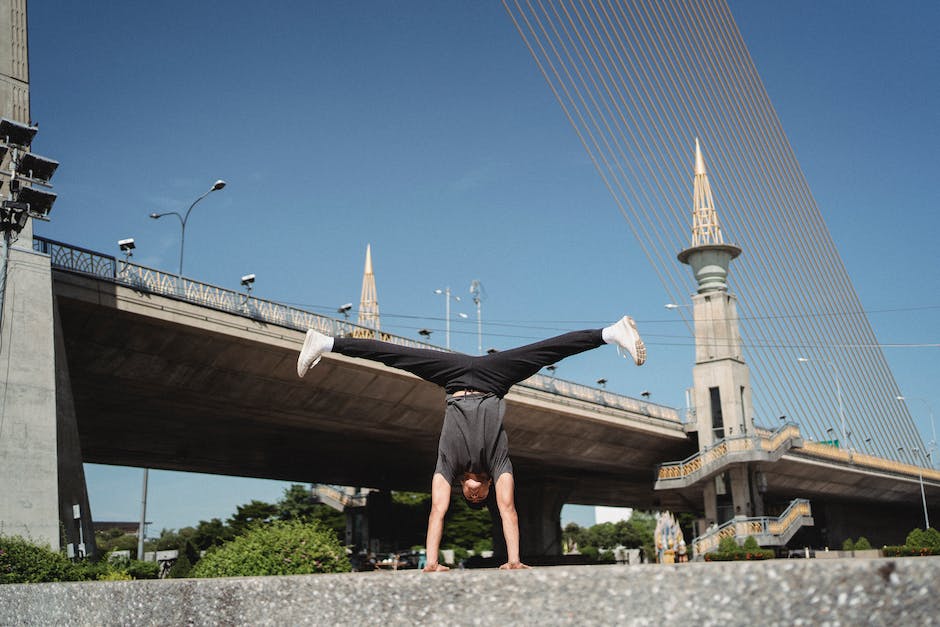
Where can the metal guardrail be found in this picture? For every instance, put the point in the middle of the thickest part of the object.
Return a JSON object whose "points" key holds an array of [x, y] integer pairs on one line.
{"points": [[855, 458], [144, 279], [766, 526], [702, 461]]}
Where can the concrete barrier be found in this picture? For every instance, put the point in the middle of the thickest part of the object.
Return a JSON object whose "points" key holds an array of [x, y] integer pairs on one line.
{"points": [[780, 592]]}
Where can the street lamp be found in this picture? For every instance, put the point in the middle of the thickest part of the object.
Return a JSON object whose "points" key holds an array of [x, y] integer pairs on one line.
{"points": [[933, 428], [447, 297], [183, 219], [835, 372], [219, 184], [920, 474]]}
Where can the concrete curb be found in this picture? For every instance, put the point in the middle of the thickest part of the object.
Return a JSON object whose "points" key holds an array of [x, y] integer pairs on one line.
{"points": [[901, 591]]}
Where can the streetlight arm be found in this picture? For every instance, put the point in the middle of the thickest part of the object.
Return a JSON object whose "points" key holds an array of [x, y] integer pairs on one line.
{"points": [[156, 216], [195, 202]]}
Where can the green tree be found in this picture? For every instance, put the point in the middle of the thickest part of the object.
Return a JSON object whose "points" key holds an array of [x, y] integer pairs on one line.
{"points": [[863, 544], [296, 504], [410, 498], [464, 526], [255, 512], [282, 547], [211, 533], [848, 544], [116, 540]]}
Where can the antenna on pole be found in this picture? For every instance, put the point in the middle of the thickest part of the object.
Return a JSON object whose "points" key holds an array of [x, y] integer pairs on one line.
{"points": [[478, 293]]}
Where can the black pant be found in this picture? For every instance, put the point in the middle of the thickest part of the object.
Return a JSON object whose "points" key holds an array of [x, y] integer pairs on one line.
{"points": [[494, 373]]}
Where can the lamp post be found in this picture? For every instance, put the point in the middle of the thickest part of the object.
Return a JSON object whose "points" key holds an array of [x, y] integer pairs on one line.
{"points": [[183, 219], [920, 474], [835, 372], [933, 428], [219, 184], [447, 297]]}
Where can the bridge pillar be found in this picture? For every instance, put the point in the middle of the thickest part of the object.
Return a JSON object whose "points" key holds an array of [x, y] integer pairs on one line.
{"points": [[40, 458], [538, 504]]}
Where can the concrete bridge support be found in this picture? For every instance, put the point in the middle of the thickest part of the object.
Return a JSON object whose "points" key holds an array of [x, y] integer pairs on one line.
{"points": [[40, 458], [538, 504]]}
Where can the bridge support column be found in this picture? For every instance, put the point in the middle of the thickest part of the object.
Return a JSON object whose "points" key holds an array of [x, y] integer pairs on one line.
{"points": [[538, 504], [40, 458]]}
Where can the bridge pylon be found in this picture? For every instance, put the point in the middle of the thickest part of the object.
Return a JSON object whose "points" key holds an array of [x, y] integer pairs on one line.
{"points": [[721, 393]]}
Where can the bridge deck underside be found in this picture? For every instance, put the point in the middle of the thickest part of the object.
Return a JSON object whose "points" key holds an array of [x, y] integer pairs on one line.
{"points": [[165, 384]]}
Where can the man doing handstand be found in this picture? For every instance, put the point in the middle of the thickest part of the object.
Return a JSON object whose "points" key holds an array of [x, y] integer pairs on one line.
{"points": [[473, 450]]}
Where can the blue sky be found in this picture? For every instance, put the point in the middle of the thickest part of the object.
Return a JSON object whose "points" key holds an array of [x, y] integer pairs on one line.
{"points": [[425, 129]]}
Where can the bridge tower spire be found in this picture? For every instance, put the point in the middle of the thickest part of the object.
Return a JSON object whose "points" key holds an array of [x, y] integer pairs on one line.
{"points": [[369, 302], [721, 380]]}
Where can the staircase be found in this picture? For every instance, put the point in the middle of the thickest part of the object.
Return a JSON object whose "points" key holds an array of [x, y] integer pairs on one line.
{"points": [[338, 497], [767, 530], [759, 446]]}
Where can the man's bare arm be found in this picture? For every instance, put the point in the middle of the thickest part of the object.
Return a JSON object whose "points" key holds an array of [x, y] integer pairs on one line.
{"points": [[506, 501], [440, 501]]}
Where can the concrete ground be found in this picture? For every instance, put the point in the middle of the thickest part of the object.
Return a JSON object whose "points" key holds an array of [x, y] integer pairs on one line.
{"points": [[895, 592]]}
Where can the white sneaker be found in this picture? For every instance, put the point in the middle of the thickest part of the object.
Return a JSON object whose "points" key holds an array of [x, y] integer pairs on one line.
{"points": [[315, 345], [623, 333]]}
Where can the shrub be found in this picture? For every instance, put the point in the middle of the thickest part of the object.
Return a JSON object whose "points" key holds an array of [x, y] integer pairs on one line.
{"points": [[920, 538], [606, 557], [848, 544], [729, 550], [750, 544], [728, 546], [143, 570], [115, 575], [863, 544], [181, 569], [279, 548], [21, 561]]}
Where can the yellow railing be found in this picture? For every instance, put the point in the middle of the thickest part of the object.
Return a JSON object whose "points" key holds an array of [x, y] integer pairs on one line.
{"points": [[760, 526], [762, 439], [869, 461]]}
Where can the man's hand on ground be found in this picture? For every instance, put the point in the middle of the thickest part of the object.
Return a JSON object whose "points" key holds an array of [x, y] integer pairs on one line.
{"points": [[435, 568], [514, 566]]}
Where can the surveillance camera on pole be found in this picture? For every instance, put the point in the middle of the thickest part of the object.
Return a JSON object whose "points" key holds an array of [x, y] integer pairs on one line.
{"points": [[127, 247], [247, 282], [344, 309]]}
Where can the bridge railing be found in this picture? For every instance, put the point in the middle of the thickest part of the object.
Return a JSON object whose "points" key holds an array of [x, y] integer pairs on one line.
{"points": [[818, 449], [770, 530], [703, 461], [144, 279]]}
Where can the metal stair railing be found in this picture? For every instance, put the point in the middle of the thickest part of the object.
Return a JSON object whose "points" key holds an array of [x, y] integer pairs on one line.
{"points": [[774, 531], [709, 460], [339, 497]]}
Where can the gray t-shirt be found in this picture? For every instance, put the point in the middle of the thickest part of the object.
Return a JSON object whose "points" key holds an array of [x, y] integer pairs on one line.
{"points": [[473, 439]]}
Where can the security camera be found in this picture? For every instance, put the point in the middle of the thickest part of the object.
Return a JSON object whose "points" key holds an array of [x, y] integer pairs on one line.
{"points": [[248, 279], [345, 308], [127, 245]]}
